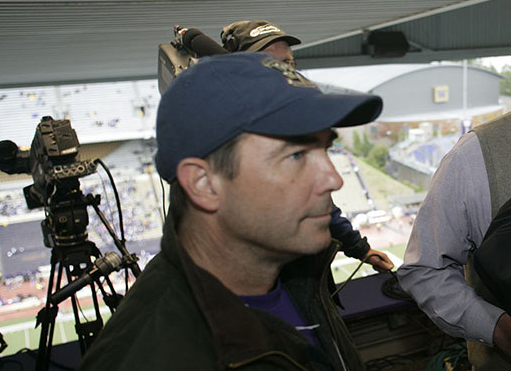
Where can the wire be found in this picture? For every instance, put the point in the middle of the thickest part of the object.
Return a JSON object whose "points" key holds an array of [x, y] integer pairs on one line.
{"points": [[81, 311], [105, 193], [163, 199], [117, 200], [454, 354], [386, 362], [352, 274]]}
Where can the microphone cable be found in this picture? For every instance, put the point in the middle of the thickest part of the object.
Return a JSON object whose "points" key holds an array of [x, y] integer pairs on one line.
{"points": [[352, 274], [390, 287]]}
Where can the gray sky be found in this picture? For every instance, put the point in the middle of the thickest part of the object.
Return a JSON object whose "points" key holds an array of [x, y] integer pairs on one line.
{"points": [[497, 62]]}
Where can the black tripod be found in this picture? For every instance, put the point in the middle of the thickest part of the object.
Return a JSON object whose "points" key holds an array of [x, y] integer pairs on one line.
{"points": [[67, 259], [72, 253]]}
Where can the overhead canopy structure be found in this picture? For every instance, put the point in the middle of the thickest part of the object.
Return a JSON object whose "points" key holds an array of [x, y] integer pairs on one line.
{"points": [[54, 42]]}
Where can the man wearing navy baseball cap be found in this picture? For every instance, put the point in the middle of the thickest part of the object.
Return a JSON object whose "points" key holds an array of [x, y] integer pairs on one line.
{"points": [[261, 35], [241, 281]]}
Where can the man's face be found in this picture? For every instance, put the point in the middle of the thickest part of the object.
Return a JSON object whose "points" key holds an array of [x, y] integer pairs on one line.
{"points": [[281, 50], [278, 205]]}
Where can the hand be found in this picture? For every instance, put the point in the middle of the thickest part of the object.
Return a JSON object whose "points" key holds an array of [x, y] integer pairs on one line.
{"points": [[379, 260], [502, 334]]}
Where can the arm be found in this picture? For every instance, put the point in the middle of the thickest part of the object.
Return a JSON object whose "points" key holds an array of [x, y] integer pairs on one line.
{"points": [[502, 334], [355, 246], [451, 221]]}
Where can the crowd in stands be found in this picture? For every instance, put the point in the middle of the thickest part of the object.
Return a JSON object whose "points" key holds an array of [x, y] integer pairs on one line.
{"points": [[128, 105], [138, 203]]}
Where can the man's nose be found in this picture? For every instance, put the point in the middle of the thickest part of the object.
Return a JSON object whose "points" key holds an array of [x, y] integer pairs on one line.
{"points": [[332, 180]]}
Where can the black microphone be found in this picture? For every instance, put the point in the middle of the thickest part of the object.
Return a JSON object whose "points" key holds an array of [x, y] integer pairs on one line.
{"points": [[102, 267], [201, 44]]}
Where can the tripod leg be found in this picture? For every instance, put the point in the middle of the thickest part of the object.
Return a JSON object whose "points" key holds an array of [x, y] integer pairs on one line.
{"points": [[46, 317], [74, 303], [89, 330]]}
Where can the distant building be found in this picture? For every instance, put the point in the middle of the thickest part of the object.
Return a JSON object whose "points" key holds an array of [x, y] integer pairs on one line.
{"points": [[426, 108], [416, 161], [417, 93]]}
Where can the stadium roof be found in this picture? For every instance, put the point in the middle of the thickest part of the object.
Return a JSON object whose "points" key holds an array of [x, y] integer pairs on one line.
{"points": [[56, 41]]}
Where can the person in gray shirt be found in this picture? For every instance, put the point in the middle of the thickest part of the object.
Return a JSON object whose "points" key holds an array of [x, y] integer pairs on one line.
{"points": [[450, 225]]}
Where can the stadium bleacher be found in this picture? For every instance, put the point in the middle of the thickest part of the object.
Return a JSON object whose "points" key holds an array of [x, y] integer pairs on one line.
{"points": [[119, 110]]}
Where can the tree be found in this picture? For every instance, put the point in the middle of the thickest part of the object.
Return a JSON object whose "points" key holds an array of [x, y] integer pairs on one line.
{"points": [[357, 143], [361, 147], [377, 156], [478, 62], [366, 146], [505, 83], [339, 140]]}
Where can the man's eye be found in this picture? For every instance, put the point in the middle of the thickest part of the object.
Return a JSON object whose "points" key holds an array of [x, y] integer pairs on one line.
{"points": [[297, 155]]}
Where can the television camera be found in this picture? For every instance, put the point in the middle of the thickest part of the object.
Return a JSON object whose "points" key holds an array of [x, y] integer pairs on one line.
{"points": [[188, 46], [54, 163]]}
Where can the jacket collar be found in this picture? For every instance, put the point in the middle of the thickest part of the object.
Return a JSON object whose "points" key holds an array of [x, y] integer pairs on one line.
{"points": [[241, 334]]}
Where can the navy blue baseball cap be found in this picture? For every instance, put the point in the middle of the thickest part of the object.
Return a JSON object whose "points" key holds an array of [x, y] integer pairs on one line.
{"points": [[223, 96]]}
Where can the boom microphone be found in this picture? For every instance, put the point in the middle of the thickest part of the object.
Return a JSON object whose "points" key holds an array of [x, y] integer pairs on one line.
{"points": [[101, 267], [203, 45]]}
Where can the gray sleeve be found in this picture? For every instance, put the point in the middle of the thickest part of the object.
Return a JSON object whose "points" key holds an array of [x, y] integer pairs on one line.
{"points": [[451, 221]]}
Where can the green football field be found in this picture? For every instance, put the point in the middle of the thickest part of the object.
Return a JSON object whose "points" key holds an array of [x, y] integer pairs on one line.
{"points": [[21, 333]]}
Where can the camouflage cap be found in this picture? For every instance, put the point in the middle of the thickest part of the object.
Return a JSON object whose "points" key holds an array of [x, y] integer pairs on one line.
{"points": [[253, 35]]}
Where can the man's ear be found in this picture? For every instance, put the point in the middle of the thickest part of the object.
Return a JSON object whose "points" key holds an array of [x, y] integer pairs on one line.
{"points": [[196, 179]]}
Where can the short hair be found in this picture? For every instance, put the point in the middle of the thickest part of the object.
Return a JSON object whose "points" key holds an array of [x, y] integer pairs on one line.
{"points": [[224, 160]]}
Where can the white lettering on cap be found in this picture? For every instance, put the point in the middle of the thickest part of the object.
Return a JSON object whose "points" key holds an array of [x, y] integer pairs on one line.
{"points": [[262, 30]]}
